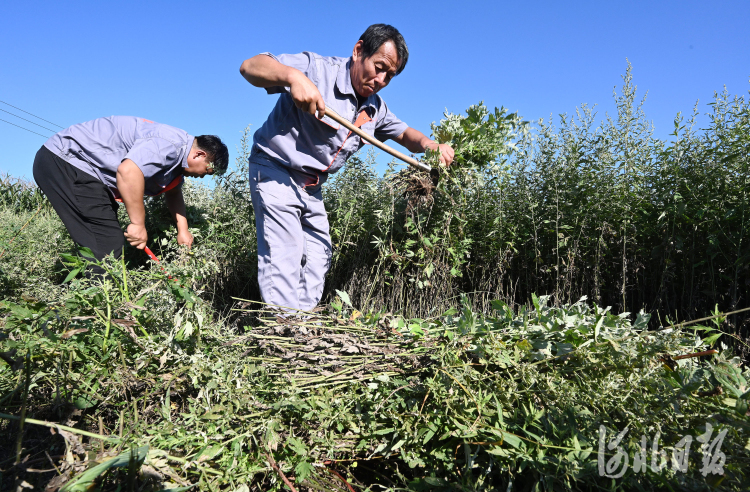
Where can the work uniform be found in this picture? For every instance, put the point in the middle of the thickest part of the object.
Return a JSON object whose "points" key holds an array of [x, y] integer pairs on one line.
{"points": [[77, 171], [293, 153]]}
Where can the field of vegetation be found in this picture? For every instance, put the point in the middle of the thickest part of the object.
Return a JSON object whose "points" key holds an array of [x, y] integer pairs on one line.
{"points": [[564, 310]]}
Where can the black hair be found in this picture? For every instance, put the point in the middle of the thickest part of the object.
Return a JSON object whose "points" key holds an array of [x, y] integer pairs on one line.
{"points": [[377, 34], [216, 150]]}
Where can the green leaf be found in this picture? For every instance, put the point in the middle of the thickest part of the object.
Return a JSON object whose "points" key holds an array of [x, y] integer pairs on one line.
{"points": [[498, 305], [598, 327], [641, 321], [535, 301], [71, 275], [86, 252], [210, 452], [416, 330], [84, 401], [741, 407], [397, 445], [710, 340], [297, 446], [166, 409], [510, 439], [69, 258], [344, 297], [85, 481], [450, 312], [303, 470]]}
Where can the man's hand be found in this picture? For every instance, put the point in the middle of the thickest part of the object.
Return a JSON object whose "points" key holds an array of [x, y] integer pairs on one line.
{"points": [[446, 152], [416, 141], [184, 237], [306, 95], [176, 206], [136, 235], [264, 71], [130, 184]]}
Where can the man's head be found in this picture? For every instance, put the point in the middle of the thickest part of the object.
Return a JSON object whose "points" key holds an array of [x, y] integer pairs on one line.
{"points": [[208, 155], [379, 55]]}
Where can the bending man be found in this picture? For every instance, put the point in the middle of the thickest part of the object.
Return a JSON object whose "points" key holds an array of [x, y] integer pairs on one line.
{"points": [[294, 152], [87, 168]]}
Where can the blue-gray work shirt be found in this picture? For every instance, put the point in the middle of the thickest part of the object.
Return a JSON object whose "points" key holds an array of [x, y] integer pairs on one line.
{"points": [[99, 146], [300, 141]]}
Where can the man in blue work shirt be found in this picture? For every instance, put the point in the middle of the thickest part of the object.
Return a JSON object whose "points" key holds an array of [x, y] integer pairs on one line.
{"points": [[295, 150], [87, 168]]}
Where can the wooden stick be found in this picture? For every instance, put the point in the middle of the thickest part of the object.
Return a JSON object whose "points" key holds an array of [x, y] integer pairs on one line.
{"points": [[276, 468], [720, 315], [696, 354], [377, 143], [63, 427], [341, 478]]}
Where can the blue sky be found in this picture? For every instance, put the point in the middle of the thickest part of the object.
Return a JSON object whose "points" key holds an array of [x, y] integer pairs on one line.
{"points": [[178, 62]]}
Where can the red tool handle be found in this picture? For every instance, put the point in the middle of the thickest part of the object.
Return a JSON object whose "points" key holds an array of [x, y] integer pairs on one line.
{"points": [[153, 257]]}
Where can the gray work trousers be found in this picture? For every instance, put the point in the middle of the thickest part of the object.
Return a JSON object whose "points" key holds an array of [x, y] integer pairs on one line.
{"points": [[294, 245]]}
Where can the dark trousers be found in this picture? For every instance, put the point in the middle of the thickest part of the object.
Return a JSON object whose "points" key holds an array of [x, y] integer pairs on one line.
{"points": [[85, 205]]}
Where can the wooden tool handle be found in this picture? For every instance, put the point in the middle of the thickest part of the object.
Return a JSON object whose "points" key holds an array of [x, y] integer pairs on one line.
{"points": [[377, 143]]}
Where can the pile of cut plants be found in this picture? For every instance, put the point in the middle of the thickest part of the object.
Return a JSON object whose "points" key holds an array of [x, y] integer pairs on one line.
{"points": [[133, 383]]}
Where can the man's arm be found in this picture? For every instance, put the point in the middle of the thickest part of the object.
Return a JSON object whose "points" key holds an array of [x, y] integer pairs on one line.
{"points": [[417, 142], [176, 205], [263, 71], [131, 184]]}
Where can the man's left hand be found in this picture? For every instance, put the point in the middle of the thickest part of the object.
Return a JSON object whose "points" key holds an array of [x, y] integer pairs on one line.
{"points": [[184, 237], [416, 141], [446, 152]]}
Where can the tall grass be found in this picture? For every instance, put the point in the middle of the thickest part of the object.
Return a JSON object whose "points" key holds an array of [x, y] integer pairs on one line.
{"points": [[570, 209]]}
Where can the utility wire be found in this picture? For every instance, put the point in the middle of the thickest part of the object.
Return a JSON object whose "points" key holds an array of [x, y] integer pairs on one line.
{"points": [[24, 119], [35, 116], [32, 131]]}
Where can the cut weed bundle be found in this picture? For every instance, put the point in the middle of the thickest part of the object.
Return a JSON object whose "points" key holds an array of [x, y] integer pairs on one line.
{"points": [[455, 401]]}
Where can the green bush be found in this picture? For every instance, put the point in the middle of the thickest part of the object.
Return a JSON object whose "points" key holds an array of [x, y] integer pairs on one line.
{"points": [[603, 210]]}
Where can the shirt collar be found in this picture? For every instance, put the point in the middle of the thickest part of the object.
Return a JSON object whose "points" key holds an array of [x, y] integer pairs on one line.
{"points": [[344, 85], [190, 140]]}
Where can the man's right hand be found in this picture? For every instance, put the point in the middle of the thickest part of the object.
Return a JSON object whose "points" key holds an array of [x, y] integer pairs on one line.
{"points": [[263, 71], [136, 235], [130, 184], [306, 95]]}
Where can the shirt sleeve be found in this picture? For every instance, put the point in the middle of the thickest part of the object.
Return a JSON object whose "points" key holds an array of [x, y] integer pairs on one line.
{"points": [[388, 125], [301, 61], [154, 156]]}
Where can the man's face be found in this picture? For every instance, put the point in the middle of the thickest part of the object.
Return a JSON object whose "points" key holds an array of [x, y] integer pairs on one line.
{"points": [[371, 74], [198, 165]]}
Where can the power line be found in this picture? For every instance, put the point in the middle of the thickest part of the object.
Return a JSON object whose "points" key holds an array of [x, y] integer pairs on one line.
{"points": [[24, 119], [35, 116], [32, 131]]}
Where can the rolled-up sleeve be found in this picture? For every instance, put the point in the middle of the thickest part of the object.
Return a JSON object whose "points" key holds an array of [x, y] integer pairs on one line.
{"points": [[388, 125], [153, 156], [300, 61]]}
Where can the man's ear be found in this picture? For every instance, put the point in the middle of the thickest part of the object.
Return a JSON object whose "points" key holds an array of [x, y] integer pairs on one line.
{"points": [[357, 51], [198, 152]]}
